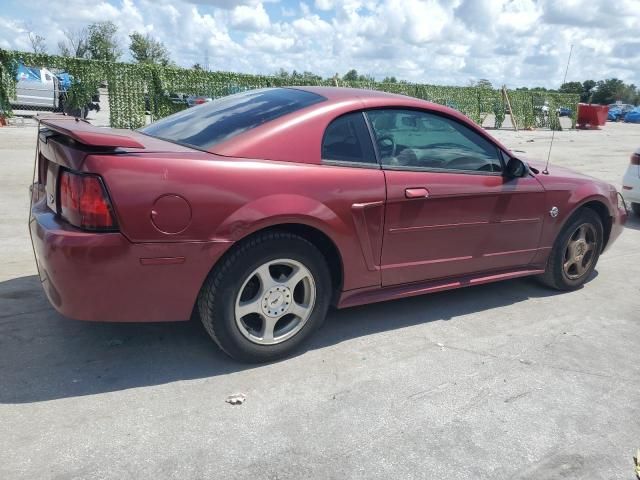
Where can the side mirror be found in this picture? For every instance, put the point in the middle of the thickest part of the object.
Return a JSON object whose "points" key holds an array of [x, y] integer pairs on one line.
{"points": [[516, 168]]}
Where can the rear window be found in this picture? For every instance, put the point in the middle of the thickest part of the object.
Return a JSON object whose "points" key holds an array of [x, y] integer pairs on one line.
{"points": [[217, 121]]}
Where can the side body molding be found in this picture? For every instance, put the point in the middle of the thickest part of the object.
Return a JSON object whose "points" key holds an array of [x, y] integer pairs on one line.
{"points": [[368, 219]]}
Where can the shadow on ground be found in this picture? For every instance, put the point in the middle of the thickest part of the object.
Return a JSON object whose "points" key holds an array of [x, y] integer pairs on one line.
{"points": [[44, 356]]}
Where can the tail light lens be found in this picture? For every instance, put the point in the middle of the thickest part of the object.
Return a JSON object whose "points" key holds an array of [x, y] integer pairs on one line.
{"points": [[635, 159], [84, 201]]}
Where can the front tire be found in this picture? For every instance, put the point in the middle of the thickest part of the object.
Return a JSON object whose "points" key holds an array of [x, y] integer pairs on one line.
{"points": [[575, 252], [266, 297], [635, 207]]}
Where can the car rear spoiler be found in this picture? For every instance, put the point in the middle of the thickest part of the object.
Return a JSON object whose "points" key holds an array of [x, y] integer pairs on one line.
{"points": [[83, 132]]}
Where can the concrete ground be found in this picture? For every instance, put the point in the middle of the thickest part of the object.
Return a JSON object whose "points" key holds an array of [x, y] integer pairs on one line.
{"points": [[508, 380]]}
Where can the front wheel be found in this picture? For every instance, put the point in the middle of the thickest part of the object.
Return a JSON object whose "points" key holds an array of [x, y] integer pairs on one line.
{"points": [[575, 252], [266, 297], [635, 207]]}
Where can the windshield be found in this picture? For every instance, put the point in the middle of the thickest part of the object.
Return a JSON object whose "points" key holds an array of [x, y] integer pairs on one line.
{"points": [[214, 122]]}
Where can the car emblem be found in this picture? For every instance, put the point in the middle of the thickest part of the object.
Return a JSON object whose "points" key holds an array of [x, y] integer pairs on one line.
{"points": [[554, 212]]}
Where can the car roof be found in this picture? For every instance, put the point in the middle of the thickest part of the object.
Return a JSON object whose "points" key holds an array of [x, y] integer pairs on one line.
{"points": [[342, 93], [372, 98], [296, 137]]}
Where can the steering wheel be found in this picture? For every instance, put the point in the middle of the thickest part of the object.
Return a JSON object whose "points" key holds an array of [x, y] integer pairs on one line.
{"points": [[386, 146]]}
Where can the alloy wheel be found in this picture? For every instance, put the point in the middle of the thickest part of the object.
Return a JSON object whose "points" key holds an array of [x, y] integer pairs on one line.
{"points": [[275, 301], [580, 251]]}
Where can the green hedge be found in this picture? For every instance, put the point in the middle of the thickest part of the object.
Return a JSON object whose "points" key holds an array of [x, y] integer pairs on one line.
{"points": [[129, 85]]}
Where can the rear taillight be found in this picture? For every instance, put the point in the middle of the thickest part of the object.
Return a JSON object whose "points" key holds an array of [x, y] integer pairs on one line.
{"points": [[84, 201], [635, 159]]}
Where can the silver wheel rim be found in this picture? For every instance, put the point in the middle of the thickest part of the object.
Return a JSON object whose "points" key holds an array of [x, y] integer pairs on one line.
{"points": [[275, 301], [580, 251]]}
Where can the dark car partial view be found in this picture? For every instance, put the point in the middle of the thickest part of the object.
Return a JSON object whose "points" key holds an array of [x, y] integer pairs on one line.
{"points": [[565, 112], [259, 211]]}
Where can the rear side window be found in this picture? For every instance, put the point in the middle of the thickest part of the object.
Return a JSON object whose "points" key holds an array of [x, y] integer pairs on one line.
{"points": [[215, 122], [347, 139]]}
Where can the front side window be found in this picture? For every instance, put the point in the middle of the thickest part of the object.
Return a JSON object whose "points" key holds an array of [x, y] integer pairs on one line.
{"points": [[214, 122], [346, 139], [413, 139]]}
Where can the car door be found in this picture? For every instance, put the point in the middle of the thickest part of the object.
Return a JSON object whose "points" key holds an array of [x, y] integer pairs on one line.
{"points": [[449, 210], [347, 143]]}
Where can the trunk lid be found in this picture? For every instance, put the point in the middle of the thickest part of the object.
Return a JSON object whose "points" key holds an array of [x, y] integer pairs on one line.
{"points": [[67, 141]]}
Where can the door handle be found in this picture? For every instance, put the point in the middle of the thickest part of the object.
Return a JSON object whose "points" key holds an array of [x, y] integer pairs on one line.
{"points": [[416, 193]]}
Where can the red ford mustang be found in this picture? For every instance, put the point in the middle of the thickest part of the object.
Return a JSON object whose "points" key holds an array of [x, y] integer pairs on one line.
{"points": [[260, 210]]}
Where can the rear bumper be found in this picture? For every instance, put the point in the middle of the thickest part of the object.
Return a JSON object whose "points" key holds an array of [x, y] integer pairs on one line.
{"points": [[104, 277]]}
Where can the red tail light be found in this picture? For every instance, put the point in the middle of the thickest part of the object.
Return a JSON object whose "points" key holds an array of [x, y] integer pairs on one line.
{"points": [[84, 201], [635, 159]]}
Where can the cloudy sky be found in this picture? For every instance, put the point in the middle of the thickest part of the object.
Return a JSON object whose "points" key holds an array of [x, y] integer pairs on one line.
{"points": [[517, 42]]}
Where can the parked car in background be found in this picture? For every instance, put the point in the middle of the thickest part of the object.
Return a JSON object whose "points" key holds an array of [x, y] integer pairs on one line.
{"points": [[631, 182], [177, 99], [259, 210], [193, 100], [44, 89], [564, 112], [38, 87]]}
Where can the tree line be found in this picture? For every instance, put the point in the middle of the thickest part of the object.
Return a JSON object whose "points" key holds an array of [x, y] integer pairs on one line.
{"points": [[603, 91], [99, 41]]}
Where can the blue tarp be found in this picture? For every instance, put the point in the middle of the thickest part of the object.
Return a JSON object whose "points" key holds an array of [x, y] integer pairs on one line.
{"points": [[65, 80], [614, 114], [633, 116], [27, 73]]}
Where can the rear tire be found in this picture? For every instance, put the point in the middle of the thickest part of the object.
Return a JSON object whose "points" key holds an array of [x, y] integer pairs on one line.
{"points": [[575, 252], [266, 297], [635, 207]]}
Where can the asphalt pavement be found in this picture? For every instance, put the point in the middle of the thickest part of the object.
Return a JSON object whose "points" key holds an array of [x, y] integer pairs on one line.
{"points": [[501, 381]]}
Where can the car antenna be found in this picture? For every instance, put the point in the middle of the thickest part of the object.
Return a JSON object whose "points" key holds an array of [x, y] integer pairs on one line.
{"points": [[553, 132]]}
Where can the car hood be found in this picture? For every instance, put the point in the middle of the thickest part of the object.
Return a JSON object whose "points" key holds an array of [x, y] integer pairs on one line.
{"points": [[561, 179], [557, 173]]}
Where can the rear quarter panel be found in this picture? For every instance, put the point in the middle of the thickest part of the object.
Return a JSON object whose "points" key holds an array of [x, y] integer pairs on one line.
{"points": [[232, 198]]}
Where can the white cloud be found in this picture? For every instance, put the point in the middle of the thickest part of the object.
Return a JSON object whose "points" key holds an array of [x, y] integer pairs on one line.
{"points": [[225, 4], [312, 25], [304, 8], [324, 4], [269, 43], [417, 21], [250, 18], [517, 42]]}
